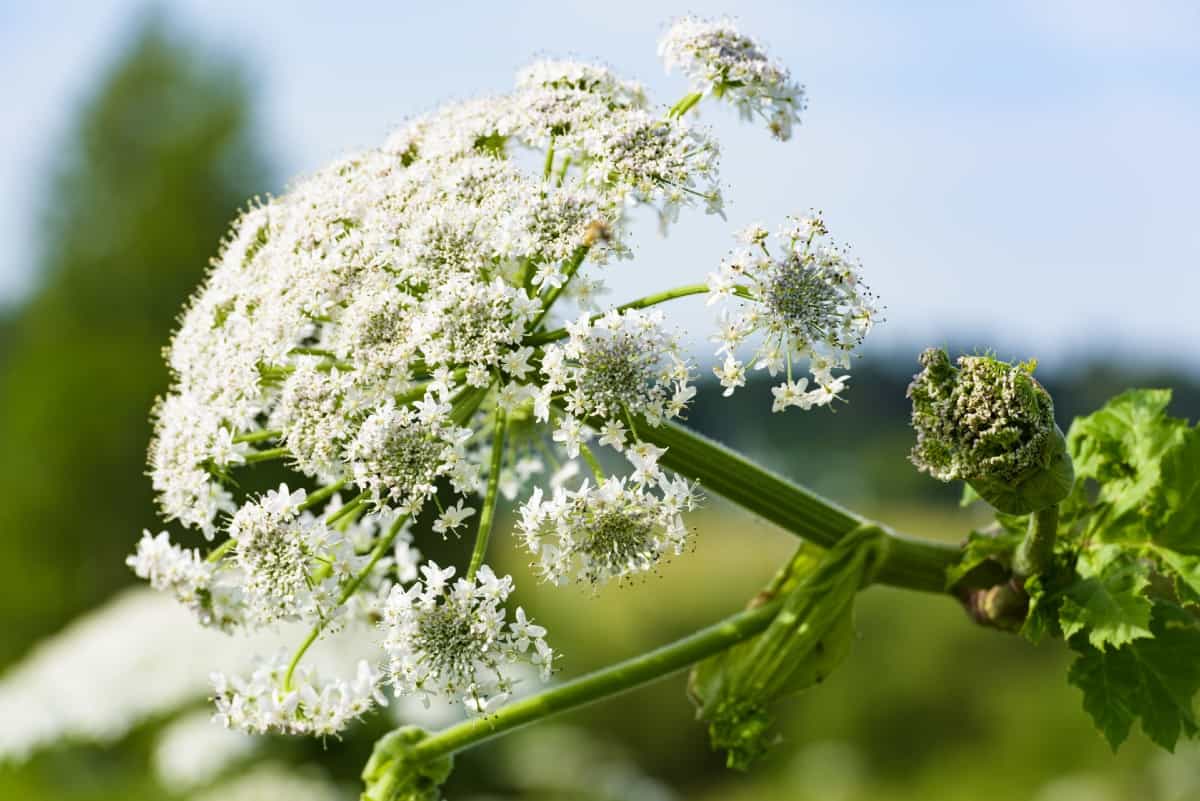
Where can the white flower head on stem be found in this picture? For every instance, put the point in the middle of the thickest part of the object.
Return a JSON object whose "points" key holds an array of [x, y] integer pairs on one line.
{"points": [[806, 300], [622, 363], [266, 702], [618, 529], [452, 640], [721, 61]]}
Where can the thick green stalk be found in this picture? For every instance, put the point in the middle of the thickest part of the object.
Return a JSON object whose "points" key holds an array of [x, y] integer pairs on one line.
{"points": [[487, 514], [911, 563], [603, 683]]}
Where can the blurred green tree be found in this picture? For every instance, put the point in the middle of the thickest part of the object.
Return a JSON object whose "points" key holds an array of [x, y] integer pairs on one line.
{"points": [[154, 167]]}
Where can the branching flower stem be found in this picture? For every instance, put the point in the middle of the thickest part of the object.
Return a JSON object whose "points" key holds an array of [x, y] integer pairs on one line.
{"points": [[546, 337], [348, 591], [600, 684], [487, 513]]}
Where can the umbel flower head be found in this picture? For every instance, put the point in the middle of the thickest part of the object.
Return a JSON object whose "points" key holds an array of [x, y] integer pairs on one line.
{"points": [[722, 61], [805, 299], [990, 424], [452, 640], [396, 329]]}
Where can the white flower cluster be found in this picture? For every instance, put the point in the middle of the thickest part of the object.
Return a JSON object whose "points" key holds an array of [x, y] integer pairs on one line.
{"points": [[454, 639], [617, 529], [392, 328], [723, 62], [808, 301], [299, 703], [191, 752], [623, 363]]}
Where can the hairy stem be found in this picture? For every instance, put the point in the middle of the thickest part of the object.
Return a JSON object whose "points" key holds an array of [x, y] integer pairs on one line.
{"points": [[600, 684], [911, 563], [487, 513]]}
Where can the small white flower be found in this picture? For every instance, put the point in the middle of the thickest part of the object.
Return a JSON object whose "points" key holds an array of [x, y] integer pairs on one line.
{"points": [[452, 519]]}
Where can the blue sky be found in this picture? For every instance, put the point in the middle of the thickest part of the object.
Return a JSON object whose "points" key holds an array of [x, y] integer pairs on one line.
{"points": [[1022, 173]]}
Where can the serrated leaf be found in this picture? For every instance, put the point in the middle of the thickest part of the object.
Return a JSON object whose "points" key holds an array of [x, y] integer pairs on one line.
{"points": [[1107, 601], [1184, 570], [1152, 679], [1122, 446], [1176, 523]]}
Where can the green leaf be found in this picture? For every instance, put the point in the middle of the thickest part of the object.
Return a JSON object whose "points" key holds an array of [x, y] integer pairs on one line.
{"points": [[1184, 570], [1107, 601], [1177, 522], [1122, 446], [1154, 680]]}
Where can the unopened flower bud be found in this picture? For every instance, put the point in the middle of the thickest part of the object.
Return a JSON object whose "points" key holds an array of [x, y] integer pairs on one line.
{"points": [[990, 424]]}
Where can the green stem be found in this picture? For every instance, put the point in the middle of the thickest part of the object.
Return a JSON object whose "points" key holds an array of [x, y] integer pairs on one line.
{"points": [[600, 684], [569, 271], [592, 462], [1036, 551], [913, 564], [487, 514], [258, 436], [545, 337], [350, 507], [548, 167], [685, 105], [322, 495], [348, 591], [267, 455], [217, 553]]}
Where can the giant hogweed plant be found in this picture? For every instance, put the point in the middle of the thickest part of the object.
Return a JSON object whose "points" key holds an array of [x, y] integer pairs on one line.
{"points": [[418, 330]]}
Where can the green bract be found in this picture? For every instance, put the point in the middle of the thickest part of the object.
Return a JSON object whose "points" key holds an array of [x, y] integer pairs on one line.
{"points": [[989, 423], [393, 774], [809, 637]]}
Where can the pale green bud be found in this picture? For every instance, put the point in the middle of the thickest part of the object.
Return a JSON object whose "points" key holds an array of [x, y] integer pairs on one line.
{"points": [[990, 424]]}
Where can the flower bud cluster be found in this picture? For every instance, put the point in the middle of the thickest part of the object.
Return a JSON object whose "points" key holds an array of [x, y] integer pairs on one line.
{"points": [[991, 424]]}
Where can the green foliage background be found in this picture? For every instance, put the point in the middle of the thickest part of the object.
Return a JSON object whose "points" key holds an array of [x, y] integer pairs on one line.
{"points": [[927, 706]]}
